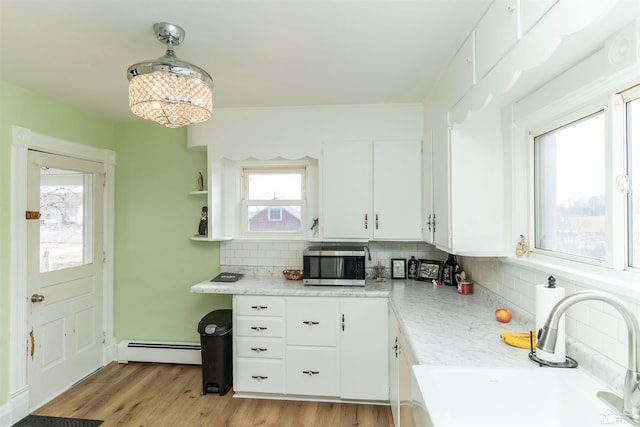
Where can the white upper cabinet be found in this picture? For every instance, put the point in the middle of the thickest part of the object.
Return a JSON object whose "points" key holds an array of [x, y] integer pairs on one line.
{"points": [[371, 190], [477, 217], [496, 33], [346, 177], [397, 201], [461, 71]]}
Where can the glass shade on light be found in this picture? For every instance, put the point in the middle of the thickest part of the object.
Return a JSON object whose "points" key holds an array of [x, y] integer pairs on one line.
{"points": [[172, 100]]}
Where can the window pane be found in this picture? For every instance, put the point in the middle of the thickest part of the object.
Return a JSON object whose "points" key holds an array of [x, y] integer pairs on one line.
{"points": [[275, 186], [633, 145], [64, 201], [570, 188], [274, 219]]}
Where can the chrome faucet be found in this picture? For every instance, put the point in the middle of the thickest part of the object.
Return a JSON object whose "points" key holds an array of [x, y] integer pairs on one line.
{"points": [[547, 336]]}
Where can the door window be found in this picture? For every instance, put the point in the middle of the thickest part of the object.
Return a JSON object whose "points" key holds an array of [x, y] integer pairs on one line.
{"points": [[65, 218]]}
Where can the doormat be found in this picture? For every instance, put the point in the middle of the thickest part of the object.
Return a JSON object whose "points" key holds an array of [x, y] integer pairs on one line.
{"points": [[43, 421]]}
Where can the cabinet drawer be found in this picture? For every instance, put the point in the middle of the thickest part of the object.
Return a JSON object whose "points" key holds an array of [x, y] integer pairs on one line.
{"points": [[250, 305], [259, 327], [312, 321], [260, 376], [312, 371], [260, 348]]}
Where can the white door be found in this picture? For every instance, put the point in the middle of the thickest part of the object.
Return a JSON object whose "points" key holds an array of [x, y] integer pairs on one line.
{"points": [[64, 273]]}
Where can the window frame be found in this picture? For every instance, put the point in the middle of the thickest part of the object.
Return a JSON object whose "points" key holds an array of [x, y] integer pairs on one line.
{"points": [[246, 168], [622, 183], [559, 123], [612, 103]]}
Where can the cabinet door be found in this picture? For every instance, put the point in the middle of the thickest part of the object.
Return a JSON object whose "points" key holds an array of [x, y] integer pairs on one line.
{"points": [[477, 182], [363, 349], [397, 196], [406, 377], [427, 187], [346, 194], [461, 74], [496, 34], [441, 182], [394, 368]]}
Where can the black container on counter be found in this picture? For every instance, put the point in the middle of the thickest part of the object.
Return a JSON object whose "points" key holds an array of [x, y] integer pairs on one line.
{"points": [[412, 268], [449, 271]]}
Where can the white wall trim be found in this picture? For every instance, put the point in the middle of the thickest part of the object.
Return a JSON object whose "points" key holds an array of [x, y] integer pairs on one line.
{"points": [[22, 140]]}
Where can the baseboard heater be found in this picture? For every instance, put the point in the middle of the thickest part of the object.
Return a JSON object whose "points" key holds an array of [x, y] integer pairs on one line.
{"points": [[159, 352]]}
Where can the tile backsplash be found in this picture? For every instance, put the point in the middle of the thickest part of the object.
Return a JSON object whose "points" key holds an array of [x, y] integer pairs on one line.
{"points": [[269, 258]]}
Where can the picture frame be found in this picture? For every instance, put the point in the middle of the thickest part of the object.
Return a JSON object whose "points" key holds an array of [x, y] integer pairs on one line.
{"points": [[398, 268], [429, 270]]}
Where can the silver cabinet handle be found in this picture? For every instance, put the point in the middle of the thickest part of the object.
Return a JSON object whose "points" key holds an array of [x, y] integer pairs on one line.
{"points": [[366, 221], [311, 373], [259, 328], [259, 307], [37, 298], [258, 349], [259, 377], [310, 322]]}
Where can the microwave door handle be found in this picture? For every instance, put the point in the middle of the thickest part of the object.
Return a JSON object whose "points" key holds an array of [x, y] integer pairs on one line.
{"points": [[339, 267]]}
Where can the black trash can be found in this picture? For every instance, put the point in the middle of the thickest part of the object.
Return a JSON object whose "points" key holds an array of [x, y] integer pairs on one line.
{"points": [[216, 351]]}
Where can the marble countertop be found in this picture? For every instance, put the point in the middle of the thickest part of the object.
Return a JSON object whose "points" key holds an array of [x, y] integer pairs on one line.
{"points": [[442, 326]]}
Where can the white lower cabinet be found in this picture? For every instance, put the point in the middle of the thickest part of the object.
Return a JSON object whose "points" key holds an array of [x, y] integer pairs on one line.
{"points": [[363, 349], [313, 371], [401, 360], [258, 344], [327, 347], [259, 376]]}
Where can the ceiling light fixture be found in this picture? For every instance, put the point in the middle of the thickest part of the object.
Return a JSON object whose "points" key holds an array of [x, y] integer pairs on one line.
{"points": [[167, 90]]}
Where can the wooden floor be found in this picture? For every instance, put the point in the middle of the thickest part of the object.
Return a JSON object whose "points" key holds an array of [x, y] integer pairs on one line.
{"points": [[145, 394]]}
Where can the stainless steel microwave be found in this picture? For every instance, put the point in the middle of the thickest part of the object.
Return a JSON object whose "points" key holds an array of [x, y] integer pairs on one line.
{"points": [[334, 265]]}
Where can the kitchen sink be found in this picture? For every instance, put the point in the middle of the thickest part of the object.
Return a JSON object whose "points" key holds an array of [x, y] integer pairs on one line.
{"points": [[448, 396]]}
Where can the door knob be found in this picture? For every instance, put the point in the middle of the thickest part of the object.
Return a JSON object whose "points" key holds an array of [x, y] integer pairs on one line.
{"points": [[37, 298]]}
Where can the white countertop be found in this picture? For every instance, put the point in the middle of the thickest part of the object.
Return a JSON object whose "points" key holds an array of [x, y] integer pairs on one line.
{"points": [[442, 326]]}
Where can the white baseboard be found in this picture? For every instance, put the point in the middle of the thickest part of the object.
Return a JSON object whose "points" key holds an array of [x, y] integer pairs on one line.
{"points": [[5, 415], [159, 352], [15, 409]]}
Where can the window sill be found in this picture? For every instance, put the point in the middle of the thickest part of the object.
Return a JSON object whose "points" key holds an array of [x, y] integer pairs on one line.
{"points": [[621, 283]]}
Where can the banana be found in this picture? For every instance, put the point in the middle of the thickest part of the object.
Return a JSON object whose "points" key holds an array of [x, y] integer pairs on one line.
{"points": [[520, 340]]}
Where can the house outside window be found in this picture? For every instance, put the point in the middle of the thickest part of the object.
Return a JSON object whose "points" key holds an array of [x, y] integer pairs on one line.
{"points": [[274, 200]]}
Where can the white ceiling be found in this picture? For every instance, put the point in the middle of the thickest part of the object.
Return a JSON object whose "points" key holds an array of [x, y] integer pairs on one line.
{"points": [[259, 52]]}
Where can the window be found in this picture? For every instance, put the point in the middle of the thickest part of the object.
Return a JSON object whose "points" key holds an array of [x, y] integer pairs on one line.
{"points": [[274, 200], [569, 188], [632, 119]]}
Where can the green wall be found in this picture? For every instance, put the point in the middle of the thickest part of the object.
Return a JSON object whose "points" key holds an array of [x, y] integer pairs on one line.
{"points": [[21, 107], [155, 262]]}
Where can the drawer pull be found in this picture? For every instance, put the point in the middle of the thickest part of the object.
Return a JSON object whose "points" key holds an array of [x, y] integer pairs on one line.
{"points": [[311, 373], [258, 349], [259, 377], [259, 328], [259, 307], [310, 322]]}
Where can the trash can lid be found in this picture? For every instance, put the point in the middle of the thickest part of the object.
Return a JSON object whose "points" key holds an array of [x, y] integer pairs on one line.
{"points": [[217, 322]]}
